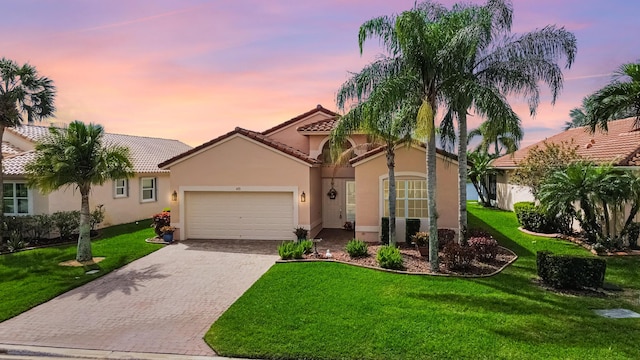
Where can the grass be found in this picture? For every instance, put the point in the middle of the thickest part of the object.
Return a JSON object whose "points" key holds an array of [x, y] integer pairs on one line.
{"points": [[335, 311], [32, 277]]}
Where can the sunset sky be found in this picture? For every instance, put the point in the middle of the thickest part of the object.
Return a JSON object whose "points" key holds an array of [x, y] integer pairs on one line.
{"points": [[193, 70]]}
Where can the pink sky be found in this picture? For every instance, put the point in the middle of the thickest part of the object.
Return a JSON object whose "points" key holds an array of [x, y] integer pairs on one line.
{"points": [[193, 70]]}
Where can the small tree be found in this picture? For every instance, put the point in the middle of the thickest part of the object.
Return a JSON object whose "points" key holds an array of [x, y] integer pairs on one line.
{"points": [[540, 162], [478, 172]]}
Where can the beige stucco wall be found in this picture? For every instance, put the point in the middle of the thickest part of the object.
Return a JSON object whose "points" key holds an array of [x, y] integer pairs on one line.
{"points": [[289, 134], [508, 194], [410, 163], [314, 198], [241, 162]]}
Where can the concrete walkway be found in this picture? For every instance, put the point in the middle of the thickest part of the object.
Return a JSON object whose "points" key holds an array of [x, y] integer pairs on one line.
{"points": [[162, 303]]}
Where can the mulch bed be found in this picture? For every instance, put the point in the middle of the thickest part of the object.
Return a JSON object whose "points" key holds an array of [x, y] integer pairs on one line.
{"points": [[414, 263]]}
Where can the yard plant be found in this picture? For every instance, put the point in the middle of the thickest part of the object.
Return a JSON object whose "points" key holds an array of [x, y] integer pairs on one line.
{"points": [[366, 314]]}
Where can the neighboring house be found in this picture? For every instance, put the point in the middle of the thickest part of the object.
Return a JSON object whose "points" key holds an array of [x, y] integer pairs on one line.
{"points": [[251, 185], [124, 200], [619, 146]]}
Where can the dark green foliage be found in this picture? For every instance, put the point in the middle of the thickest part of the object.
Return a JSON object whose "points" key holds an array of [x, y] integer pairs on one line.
{"points": [[15, 241], [389, 257], [357, 248], [484, 248], [456, 256], [570, 272], [384, 237], [633, 232], [40, 227], [306, 245], [445, 236], [412, 227], [534, 218], [290, 250], [66, 222], [97, 217], [301, 233]]}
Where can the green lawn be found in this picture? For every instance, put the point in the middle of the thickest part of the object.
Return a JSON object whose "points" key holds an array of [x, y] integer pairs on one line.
{"points": [[32, 277], [335, 311]]}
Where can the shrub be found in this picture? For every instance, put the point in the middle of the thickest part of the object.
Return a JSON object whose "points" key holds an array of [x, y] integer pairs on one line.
{"points": [[570, 272], [456, 256], [484, 248], [301, 233], [97, 216], [421, 239], [412, 227], [633, 232], [160, 220], [66, 222], [389, 257], [445, 236], [15, 241], [290, 250], [384, 237], [534, 218], [306, 246], [357, 248], [40, 227]]}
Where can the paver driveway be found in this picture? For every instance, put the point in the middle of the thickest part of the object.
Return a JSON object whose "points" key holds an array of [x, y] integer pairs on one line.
{"points": [[162, 303]]}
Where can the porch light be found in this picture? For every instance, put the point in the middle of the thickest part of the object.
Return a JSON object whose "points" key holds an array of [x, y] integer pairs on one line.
{"points": [[303, 197], [174, 196]]}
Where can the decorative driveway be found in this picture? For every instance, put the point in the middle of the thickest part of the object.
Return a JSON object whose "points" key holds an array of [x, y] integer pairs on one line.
{"points": [[162, 303]]}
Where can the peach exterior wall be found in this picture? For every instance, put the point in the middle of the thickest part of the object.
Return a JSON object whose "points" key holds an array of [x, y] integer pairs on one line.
{"points": [[314, 198], [117, 210], [368, 192], [289, 134], [242, 162]]}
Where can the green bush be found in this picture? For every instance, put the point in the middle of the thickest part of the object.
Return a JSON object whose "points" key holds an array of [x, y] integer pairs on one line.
{"points": [[633, 232], [357, 248], [570, 272], [389, 257], [290, 250], [66, 222], [456, 256], [533, 218], [484, 248], [384, 237], [15, 241], [412, 227], [306, 245]]}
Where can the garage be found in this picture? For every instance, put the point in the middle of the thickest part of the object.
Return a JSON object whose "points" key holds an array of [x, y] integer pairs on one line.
{"points": [[239, 215]]}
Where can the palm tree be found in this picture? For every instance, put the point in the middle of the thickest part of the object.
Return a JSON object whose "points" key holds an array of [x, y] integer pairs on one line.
{"points": [[387, 127], [494, 64], [22, 92], [479, 171], [580, 115], [500, 139], [76, 156], [621, 97]]}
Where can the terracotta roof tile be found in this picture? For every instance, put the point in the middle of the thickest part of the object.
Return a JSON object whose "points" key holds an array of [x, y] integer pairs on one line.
{"points": [[251, 135], [320, 126], [9, 149], [14, 164], [146, 152], [380, 149], [318, 108], [620, 145]]}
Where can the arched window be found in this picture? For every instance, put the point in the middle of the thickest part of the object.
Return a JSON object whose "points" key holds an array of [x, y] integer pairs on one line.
{"points": [[325, 156]]}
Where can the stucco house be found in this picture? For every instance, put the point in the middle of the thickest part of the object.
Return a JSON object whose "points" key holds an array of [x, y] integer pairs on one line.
{"points": [[619, 146], [262, 185], [124, 200]]}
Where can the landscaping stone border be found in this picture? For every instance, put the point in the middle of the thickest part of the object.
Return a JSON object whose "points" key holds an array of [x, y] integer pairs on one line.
{"points": [[407, 272]]}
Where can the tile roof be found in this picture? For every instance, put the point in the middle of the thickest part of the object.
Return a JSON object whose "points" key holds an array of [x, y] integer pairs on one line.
{"points": [[318, 108], [251, 135], [9, 149], [381, 149], [146, 152], [620, 145], [319, 126], [14, 164]]}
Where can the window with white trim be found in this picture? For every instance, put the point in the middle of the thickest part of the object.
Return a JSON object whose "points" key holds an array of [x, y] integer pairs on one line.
{"points": [[148, 189], [411, 198], [121, 188], [16, 198]]}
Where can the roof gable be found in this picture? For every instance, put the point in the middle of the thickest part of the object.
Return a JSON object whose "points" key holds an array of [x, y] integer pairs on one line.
{"points": [[255, 136], [379, 151], [322, 126], [620, 145], [291, 122]]}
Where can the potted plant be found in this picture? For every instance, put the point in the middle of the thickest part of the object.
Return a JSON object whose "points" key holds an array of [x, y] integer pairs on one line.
{"points": [[421, 240], [301, 233], [161, 220], [167, 233]]}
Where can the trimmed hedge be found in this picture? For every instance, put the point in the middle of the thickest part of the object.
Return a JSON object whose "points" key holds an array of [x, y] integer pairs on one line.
{"points": [[533, 218], [570, 272], [412, 227], [384, 237]]}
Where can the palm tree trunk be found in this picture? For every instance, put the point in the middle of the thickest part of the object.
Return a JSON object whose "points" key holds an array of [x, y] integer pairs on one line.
{"points": [[84, 238], [462, 178], [1, 184], [392, 194], [431, 201]]}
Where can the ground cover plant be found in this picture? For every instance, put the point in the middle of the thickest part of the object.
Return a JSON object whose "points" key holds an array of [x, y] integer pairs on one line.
{"points": [[32, 277], [330, 310]]}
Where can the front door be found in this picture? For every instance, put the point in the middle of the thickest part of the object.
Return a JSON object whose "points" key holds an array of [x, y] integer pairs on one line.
{"points": [[335, 212]]}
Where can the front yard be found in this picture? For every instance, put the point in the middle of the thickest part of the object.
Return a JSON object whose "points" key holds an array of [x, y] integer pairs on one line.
{"points": [[329, 311], [32, 277]]}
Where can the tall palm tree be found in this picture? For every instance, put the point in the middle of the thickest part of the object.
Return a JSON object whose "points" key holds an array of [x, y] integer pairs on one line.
{"points": [[618, 98], [580, 115], [77, 156], [499, 139], [386, 126], [22, 93], [495, 64]]}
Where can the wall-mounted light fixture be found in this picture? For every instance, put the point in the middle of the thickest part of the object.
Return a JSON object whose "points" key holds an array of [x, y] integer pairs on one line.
{"points": [[174, 196], [303, 197]]}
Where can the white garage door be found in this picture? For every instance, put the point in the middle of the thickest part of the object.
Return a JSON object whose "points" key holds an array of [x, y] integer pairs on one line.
{"points": [[239, 215]]}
